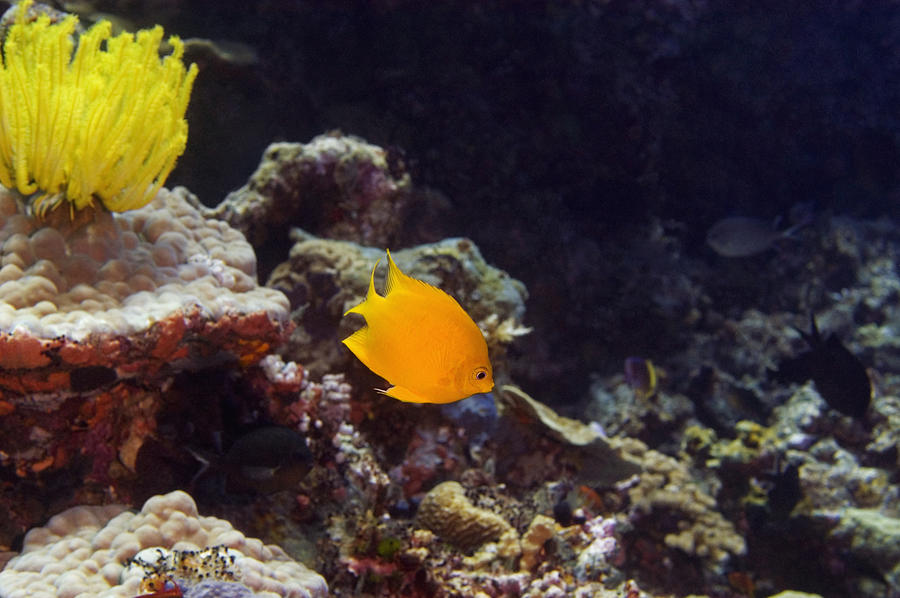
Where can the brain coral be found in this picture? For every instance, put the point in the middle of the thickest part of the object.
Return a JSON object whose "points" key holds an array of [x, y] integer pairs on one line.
{"points": [[447, 512], [126, 290], [86, 552]]}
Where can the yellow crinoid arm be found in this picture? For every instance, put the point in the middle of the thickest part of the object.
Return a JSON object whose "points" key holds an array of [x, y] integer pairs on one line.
{"points": [[101, 121]]}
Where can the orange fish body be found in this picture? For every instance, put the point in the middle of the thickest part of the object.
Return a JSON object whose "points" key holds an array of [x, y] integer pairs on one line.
{"points": [[419, 339]]}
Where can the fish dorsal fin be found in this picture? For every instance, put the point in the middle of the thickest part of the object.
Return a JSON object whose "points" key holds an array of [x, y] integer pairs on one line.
{"points": [[371, 295], [372, 292], [814, 330], [395, 277], [397, 280]]}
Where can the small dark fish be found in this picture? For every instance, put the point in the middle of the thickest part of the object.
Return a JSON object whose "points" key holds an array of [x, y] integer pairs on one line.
{"points": [[267, 460], [785, 490], [743, 237], [839, 376], [263, 461]]}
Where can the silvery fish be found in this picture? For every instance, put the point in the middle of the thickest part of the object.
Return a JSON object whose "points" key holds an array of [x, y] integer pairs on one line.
{"points": [[742, 237]]}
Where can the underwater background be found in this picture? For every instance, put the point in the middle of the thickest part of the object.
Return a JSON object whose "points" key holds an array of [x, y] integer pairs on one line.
{"points": [[675, 222], [559, 132]]}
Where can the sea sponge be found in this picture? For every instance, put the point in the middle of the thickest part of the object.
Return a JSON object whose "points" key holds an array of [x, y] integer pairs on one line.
{"points": [[447, 512], [104, 123], [87, 552]]}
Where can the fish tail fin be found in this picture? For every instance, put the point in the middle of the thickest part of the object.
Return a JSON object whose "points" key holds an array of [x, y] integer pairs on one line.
{"points": [[404, 394], [371, 293]]}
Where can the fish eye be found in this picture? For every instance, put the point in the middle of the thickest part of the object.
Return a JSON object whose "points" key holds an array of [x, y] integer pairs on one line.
{"points": [[481, 373]]}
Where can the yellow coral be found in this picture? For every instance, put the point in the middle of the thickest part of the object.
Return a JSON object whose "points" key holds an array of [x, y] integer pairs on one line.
{"points": [[106, 124]]}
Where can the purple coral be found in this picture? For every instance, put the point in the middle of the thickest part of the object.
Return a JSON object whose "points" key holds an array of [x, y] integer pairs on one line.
{"points": [[218, 589], [602, 553]]}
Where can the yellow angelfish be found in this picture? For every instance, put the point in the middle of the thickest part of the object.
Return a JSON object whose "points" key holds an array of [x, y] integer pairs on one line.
{"points": [[419, 339]]}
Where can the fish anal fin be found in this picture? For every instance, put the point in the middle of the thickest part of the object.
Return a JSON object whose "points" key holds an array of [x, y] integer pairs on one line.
{"points": [[402, 393]]}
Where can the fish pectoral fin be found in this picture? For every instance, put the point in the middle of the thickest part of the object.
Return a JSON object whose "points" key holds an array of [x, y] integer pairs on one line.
{"points": [[402, 393]]}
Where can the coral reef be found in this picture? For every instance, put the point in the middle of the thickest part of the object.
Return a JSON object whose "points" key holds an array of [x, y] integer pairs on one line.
{"points": [[97, 315], [667, 486], [109, 552], [811, 471], [119, 377], [601, 462], [541, 529], [338, 185], [75, 283], [557, 560], [872, 537]]}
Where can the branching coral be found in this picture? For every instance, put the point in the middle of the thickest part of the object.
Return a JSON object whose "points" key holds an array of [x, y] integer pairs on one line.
{"points": [[106, 123], [666, 501]]}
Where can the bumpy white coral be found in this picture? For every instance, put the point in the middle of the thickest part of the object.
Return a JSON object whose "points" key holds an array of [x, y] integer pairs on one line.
{"points": [[278, 371], [84, 553], [121, 273]]}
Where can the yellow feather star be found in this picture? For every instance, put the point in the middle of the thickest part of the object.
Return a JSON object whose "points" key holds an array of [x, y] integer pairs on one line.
{"points": [[103, 124]]}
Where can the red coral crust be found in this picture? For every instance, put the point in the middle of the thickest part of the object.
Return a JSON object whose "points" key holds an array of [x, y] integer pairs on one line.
{"points": [[187, 337]]}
